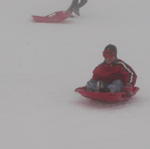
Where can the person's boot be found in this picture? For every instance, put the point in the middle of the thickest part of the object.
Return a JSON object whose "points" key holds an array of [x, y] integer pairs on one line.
{"points": [[74, 7], [76, 10], [78, 5]]}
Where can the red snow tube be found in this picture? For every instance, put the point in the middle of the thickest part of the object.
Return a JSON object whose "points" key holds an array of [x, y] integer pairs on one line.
{"points": [[106, 96], [55, 17]]}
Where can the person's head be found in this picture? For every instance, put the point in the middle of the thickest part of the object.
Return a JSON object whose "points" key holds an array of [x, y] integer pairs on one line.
{"points": [[110, 53]]}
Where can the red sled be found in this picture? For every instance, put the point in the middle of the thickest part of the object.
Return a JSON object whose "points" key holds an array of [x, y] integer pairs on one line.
{"points": [[106, 96], [55, 17]]}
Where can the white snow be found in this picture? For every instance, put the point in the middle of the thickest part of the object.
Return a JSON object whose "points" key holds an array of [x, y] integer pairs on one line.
{"points": [[42, 64]]}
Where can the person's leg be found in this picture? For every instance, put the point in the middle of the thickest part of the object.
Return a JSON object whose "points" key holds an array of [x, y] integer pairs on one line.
{"points": [[73, 4], [74, 7], [94, 85], [91, 85], [82, 3], [115, 86]]}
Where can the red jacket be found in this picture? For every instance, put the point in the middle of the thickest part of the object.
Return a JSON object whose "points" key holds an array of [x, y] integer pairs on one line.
{"points": [[117, 70]]}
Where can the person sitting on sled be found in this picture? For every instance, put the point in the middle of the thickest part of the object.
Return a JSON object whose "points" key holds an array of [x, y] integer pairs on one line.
{"points": [[113, 74]]}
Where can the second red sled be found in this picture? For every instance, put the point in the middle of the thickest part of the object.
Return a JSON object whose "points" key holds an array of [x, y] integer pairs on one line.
{"points": [[55, 17]]}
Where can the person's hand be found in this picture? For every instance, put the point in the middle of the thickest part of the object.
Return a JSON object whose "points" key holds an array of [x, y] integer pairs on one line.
{"points": [[128, 89]]}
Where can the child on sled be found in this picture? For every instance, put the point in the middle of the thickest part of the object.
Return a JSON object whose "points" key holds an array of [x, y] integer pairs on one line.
{"points": [[113, 74]]}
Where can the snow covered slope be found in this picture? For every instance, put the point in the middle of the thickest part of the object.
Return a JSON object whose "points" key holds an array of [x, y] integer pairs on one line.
{"points": [[42, 64]]}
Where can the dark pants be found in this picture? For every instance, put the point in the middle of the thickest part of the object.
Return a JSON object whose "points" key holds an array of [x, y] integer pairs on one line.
{"points": [[82, 3], [76, 4]]}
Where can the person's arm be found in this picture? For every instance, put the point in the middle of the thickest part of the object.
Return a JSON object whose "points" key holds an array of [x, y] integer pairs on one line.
{"points": [[128, 74]]}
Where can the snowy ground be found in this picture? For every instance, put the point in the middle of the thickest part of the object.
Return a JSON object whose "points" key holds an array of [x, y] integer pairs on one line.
{"points": [[42, 64]]}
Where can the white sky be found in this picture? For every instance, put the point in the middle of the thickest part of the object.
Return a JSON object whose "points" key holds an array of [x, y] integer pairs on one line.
{"points": [[42, 64]]}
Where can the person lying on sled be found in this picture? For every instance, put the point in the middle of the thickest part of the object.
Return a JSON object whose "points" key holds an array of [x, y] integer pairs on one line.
{"points": [[113, 74]]}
